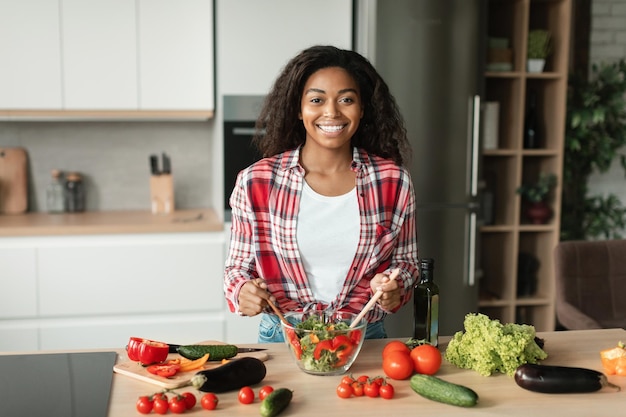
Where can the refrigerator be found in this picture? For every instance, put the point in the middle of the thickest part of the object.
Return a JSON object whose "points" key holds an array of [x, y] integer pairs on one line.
{"points": [[430, 53]]}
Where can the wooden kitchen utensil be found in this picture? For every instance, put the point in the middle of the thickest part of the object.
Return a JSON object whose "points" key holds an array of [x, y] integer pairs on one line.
{"points": [[13, 180], [373, 300]]}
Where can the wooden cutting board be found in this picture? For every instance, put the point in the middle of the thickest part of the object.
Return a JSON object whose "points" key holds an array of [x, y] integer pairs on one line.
{"points": [[13, 180], [135, 370]]}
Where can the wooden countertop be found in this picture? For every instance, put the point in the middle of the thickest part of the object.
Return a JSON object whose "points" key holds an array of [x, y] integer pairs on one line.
{"points": [[498, 394], [109, 222]]}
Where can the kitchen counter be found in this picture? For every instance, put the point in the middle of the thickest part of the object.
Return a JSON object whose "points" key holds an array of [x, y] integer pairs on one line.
{"points": [[109, 222], [499, 395]]}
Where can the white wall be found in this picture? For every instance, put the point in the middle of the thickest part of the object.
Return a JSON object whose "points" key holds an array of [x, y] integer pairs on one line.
{"points": [[608, 44]]}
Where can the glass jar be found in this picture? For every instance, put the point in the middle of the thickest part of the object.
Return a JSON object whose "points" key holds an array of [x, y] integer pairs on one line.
{"points": [[55, 197], [74, 193]]}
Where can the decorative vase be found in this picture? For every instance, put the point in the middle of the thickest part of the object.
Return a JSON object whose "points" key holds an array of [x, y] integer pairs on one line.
{"points": [[535, 65], [538, 213]]}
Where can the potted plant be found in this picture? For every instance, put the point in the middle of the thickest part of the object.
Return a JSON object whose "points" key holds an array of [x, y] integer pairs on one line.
{"points": [[539, 47], [535, 195]]}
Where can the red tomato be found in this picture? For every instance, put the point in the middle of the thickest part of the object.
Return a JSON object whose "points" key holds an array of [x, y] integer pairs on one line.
{"points": [[363, 379], [371, 389], [190, 400], [395, 345], [357, 389], [426, 359], [265, 391], [209, 401], [166, 371], [378, 380], [246, 395], [344, 390], [160, 405], [347, 380], [398, 365], [177, 404], [144, 404], [386, 391]]}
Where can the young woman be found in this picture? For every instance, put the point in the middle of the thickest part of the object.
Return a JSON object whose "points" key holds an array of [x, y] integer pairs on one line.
{"points": [[327, 214]]}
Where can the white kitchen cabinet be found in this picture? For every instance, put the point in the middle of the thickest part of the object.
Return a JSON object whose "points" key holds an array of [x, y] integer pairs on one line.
{"points": [[255, 39], [97, 291], [18, 296], [30, 73], [176, 54], [99, 54]]}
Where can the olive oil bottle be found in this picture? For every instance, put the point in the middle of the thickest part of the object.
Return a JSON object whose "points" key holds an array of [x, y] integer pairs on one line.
{"points": [[426, 304]]}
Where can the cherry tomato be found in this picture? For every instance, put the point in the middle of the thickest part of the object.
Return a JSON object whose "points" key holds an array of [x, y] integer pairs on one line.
{"points": [[398, 365], [344, 390], [144, 404], [378, 380], [347, 379], [386, 391], [246, 395], [209, 401], [426, 359], [190, 400], [371, 389], [395, 345], [265, 391], [363, 379], [357, 389], [160, 404], [177, 404]]}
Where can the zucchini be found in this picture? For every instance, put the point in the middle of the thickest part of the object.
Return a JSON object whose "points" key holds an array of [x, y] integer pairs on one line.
{"points": [[216, 352], [560, 379], [232, 376], [437, 389], [276, 402]]}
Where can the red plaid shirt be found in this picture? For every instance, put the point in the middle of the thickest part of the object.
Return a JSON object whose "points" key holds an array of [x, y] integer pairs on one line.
{"points": [[263, 242]]}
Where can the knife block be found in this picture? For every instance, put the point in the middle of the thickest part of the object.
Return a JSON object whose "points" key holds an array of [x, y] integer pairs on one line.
{"points": [[162, 193]]}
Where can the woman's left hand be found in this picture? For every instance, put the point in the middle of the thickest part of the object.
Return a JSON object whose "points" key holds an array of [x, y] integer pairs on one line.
{"points": [[391, 297]]}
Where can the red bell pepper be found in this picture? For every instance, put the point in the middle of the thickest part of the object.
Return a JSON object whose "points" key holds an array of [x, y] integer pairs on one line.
{"points": [[146, 351], [294, 342], [166, 371], [340, 345]]}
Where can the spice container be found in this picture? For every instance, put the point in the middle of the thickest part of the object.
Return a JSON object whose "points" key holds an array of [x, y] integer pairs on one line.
{"points": [[55, 198], [74, 193]]}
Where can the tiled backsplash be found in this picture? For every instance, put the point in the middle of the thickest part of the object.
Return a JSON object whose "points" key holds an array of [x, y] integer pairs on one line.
{"points": [[113, 157]]}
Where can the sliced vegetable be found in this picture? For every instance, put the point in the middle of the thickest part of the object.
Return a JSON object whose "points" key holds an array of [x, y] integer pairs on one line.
{"points": [[294, 342], [146, 351], [437, 389], [216, 352], [187, 365], [614, 360], [560, 379], [166, 371], [340, 345]]}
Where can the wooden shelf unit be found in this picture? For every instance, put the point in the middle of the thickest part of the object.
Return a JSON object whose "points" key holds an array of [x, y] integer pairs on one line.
{"points": [[510, 165]]}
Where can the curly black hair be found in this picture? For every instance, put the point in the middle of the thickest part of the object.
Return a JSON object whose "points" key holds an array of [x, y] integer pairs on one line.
{"points": [[381, 131]]}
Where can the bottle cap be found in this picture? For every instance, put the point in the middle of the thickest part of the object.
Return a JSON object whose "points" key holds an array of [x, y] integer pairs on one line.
{"points": [[427, 263]]}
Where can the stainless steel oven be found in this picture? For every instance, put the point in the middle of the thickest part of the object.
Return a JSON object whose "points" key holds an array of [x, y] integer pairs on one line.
{"points": [[240, 114]]}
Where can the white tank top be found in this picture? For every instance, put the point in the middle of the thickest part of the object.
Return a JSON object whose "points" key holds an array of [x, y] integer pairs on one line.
{"points": [[328, 235]]}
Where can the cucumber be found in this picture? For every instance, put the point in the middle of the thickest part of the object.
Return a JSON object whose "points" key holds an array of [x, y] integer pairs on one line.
{"points": [[276, 402], [216, 352], [437, 389]]}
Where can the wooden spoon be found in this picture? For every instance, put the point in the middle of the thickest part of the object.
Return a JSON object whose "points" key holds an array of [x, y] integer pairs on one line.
{"points": [[278, 313], [394, 274]]}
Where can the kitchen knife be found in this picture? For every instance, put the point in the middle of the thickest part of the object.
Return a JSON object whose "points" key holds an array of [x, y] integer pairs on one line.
{"points": [[167, 164], [174, 349], [154, 165]]}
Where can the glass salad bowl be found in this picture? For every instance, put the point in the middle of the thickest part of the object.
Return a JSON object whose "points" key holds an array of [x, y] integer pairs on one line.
{"points": [[323, 343]]}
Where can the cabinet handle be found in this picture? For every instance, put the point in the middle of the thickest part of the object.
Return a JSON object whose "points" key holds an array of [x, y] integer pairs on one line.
{"points": [[471, 262], [246, 131], [474, 144]]}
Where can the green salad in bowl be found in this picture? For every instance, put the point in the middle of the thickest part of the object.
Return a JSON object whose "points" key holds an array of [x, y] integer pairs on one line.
{"points": [[324, 343]]}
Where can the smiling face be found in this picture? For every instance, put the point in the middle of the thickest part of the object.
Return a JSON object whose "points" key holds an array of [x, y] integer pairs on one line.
{"points": [[331, 108]]}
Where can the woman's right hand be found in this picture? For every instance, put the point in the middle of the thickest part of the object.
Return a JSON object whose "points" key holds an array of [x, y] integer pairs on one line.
{"points": [[253, 297]]}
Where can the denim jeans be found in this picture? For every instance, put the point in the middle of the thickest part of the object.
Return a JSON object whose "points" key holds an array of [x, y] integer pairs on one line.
{"points": [[271, 332]]}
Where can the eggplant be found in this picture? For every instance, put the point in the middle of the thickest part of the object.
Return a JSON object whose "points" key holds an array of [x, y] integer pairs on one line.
{"points": [[232, 376], [551, 379]]}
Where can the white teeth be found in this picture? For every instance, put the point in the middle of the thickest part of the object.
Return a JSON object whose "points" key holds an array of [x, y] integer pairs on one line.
{"points": [[331, 129]]}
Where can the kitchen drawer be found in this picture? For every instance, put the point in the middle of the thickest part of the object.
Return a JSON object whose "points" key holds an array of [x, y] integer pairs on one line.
{"points": [[18, 297], [129, 275]]}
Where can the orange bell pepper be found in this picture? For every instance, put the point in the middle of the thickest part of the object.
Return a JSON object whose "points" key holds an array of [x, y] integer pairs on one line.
{"points": [[189, 365], [614, 360]]}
